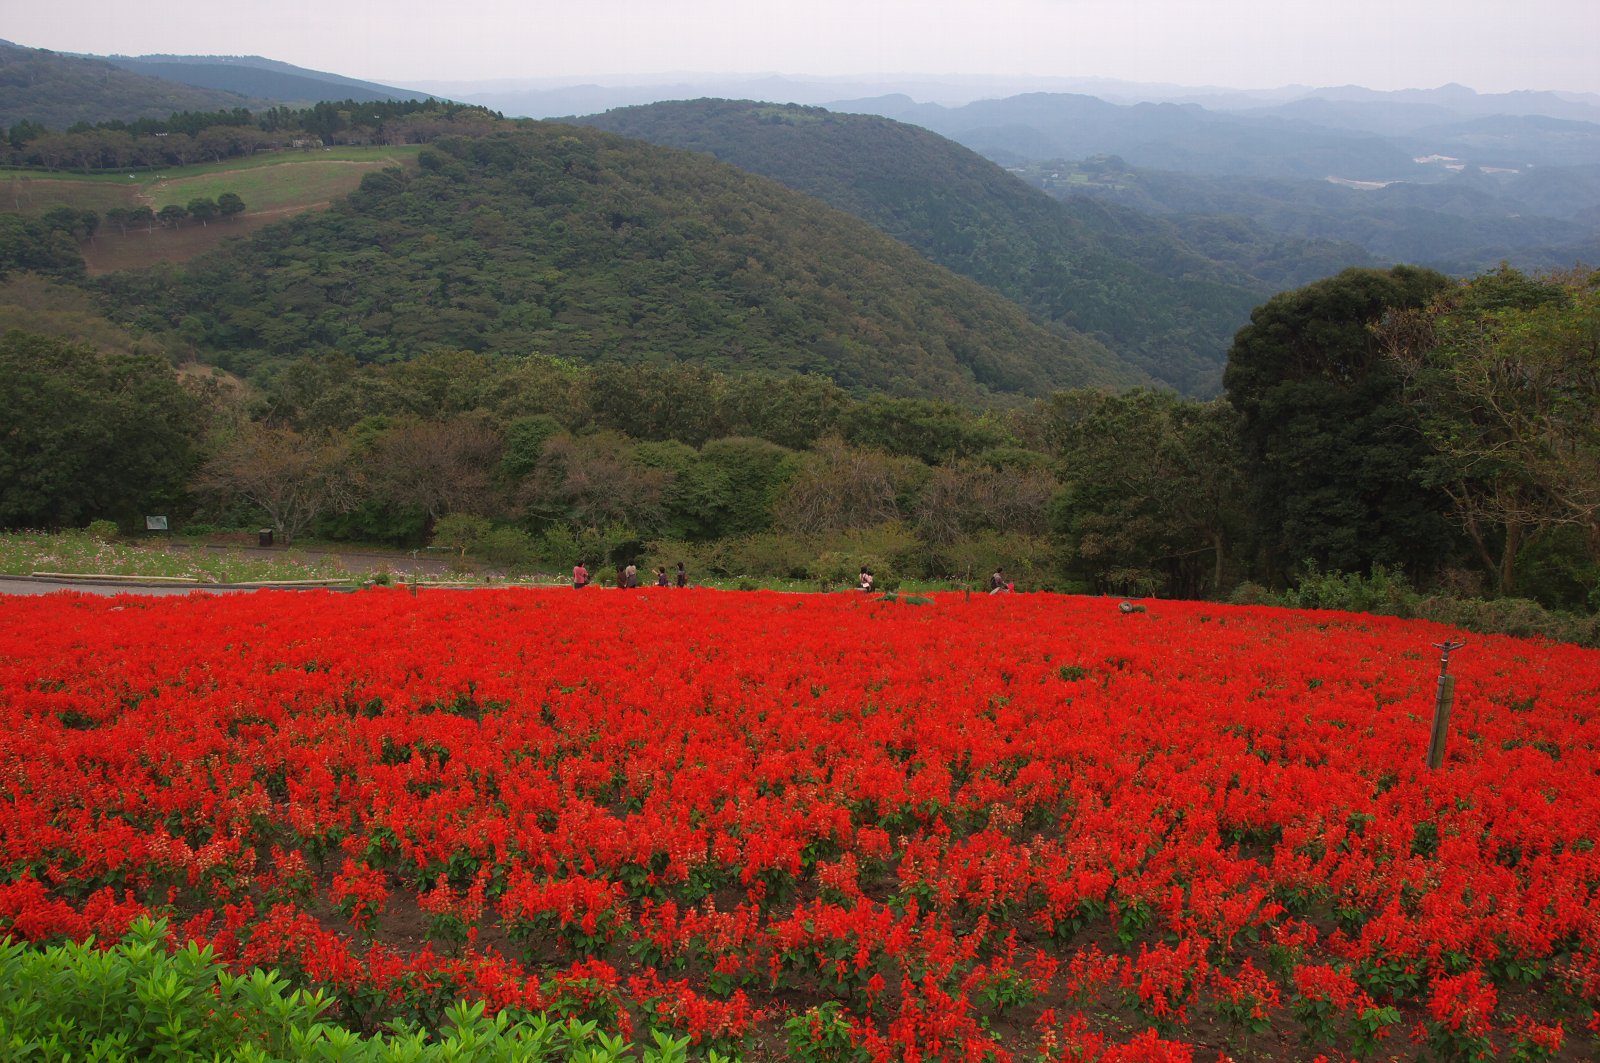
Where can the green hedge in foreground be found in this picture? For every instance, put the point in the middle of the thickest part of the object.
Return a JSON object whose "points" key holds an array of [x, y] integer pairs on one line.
{"points": [[137, 1001]]}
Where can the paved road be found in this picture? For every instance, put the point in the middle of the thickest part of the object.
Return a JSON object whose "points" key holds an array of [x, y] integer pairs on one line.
{"points": [[422, 563]]}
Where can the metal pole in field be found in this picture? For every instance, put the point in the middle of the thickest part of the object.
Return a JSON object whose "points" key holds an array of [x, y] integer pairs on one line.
{"points": [[1441, 706]]}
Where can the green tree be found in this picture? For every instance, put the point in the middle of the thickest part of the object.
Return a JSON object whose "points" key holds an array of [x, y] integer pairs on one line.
{"points": [[1331, 450], [836, 487], [792, 411], [202, 209], [525, 440], [679, 402], [460, 532], [594, 481], [88, 435], [933, 432], [726, 490], [971, 496], [80, 225], [1504, 375], [229, 205], [27, 244], [752, 474], [172, 215], [1151, 493]]}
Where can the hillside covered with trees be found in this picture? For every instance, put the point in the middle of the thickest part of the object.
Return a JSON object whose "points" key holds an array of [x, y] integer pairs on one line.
{"points": [[60, 91], [587, 246], [1095, 269]]}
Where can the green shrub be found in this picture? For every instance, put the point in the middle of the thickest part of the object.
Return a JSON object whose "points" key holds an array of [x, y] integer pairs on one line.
{"points": [[782, 554], [102, 530], [822, 1035], [138, 1001], [837, 568], [1029, 561], [1248, 593], [562, 546], [507, 546], [1511, 616], [1384, 591], [460, 532]]}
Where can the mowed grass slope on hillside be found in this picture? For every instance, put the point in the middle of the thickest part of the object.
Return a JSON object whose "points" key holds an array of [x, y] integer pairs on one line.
{"points": [[272, 186]]}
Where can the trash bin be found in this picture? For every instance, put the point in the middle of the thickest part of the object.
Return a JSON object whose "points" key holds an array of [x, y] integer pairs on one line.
{"points": [[266, 537]]}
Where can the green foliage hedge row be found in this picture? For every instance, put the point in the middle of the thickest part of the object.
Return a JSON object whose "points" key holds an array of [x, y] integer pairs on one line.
{"points": [[1387, 592], [138, 1001]]}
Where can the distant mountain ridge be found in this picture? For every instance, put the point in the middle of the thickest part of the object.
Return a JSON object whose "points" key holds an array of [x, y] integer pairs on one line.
{"points": [[59, 91], [1307, 139], [548, 98], [251, 75]]}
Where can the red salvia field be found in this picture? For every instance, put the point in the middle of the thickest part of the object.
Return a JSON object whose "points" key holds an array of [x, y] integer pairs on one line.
{"points": [[1025, 827]]}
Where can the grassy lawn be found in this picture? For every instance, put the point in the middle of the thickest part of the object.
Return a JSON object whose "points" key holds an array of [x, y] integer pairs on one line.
{"points": [[24, 553], [273, 185], [285, 181], [28, 192], [269, 181]]}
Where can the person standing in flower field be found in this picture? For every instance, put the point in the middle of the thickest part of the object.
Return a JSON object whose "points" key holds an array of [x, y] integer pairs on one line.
{"points": [[683, 577], [580, 576], [661, 576]]}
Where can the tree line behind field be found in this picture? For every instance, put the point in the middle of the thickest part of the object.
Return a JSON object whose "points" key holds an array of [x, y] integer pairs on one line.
{"points": [[189, 137], [1376, 422]]}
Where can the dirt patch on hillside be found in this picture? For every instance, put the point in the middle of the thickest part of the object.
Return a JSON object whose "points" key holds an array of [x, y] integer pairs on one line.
{"points": [[140, 247]]}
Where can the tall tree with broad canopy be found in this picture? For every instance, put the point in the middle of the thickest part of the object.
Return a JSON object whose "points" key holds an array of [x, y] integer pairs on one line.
{"points": [[1152, 485], [1332, 451], [293, 478], [88, 435], [1504, 375]]}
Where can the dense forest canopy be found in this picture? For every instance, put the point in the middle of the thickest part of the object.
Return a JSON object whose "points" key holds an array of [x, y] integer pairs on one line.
{"points": [[61, 90], [1097, 270], [583, 245]]}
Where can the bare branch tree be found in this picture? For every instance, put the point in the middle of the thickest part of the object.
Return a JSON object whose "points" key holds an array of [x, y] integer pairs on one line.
{"points": [[292, 478]]}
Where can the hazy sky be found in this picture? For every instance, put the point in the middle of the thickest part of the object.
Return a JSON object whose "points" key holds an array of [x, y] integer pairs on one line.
{"points": [[1489, 45]]}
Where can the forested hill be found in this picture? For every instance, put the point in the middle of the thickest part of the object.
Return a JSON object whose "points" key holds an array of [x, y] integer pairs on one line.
{"points": [[583, 245], [58, 91], [268, 79], [1096, 268]]}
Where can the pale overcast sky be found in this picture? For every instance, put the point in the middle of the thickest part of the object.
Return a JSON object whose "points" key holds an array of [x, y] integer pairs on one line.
{"points": [[1488, 45]]}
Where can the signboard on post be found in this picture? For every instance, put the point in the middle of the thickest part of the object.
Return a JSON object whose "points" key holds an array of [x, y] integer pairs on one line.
{"points": [[155, 524]]}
